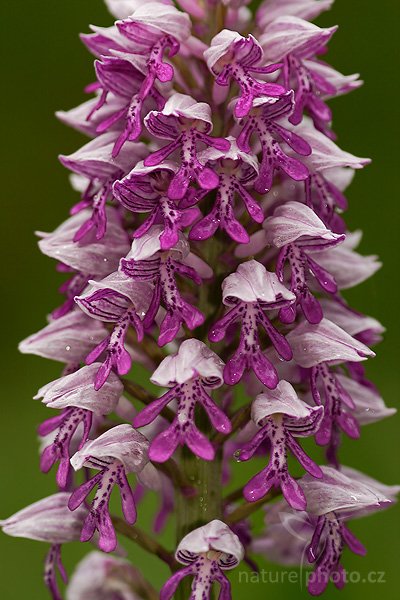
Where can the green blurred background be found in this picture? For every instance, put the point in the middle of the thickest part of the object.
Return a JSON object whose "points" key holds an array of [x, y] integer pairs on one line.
{"points": [[45, 68]]}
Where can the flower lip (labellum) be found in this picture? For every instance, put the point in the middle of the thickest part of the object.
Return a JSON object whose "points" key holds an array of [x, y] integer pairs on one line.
{"points": [[236, 169], [78, 400], [119, 300]]}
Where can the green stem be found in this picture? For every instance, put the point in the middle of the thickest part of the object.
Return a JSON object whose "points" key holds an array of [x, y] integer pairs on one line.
{"points": [[192, 512]]}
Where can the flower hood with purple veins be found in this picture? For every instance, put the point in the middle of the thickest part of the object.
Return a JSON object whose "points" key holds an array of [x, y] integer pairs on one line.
{"points": [[206, 552], [76, 389], [270, 10], [116, 299], [236, 169], [358, 268], [115, 453], [146, 262], [189, 374], [77, 117], [103, 577], [274, 136], [187, 123], [290, 35], [296, 230], [153, 20], [67, 340], [94, 160], [364, 328], [281, 416], [47, 520], [232, 56], [369, 406], [144, 190], [325, 153], [93, 257], [325, 342], [294, 222], [75, 395], [251, 291]]}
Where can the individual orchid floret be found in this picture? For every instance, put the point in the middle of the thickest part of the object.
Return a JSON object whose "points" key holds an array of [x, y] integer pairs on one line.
{"points": [[323, 193], [48, 520], [120, 77], [332, 499], [269, 10], [95, 162], [232, 56], [67, 340], [115, 453], [262, 119], [78, 401], [235, 169], [144, 190], [146, 262], [281, 416], [105, 577], [296, 230], [250, 291], [316, 347], [187, 123], [292, 40], [206, 552], [189, 373], [115, 299], [91, 257], [153, 28]]}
